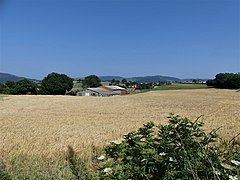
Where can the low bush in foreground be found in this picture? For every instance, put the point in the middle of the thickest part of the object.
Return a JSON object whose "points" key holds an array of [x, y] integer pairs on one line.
{"points": [[179, 150]]}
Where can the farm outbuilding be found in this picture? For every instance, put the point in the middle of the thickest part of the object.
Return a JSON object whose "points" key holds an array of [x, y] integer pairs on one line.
{"points": [[116, 89], [104, 91]]}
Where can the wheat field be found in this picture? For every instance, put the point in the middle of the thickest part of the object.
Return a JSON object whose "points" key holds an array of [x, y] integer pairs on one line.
{"points": [[44, 125]]}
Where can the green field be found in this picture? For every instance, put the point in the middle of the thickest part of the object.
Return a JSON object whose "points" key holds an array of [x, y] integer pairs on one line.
{"points": [[77, 86], [177, 86]]}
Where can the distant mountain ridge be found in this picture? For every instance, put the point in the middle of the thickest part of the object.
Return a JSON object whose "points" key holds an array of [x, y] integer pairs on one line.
{"points": [[158, 78], [4, 77], [9, 77], [149, 79], [109, 78], [146, 79]]}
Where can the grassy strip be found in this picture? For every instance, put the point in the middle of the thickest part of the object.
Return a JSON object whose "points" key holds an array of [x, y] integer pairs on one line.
{"points": [[177, 86], [77, 86]]}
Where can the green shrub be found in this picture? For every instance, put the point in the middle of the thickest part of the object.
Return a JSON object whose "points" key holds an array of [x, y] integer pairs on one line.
{"points": [[178, 150]]}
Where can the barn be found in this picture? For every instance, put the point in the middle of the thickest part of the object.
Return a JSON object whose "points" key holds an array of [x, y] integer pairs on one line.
{"points": [[104, 91]]}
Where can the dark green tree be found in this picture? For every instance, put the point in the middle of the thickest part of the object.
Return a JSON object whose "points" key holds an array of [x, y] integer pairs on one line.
{"points": [[91, 81], [24, 87], [117, 82], [56, 84], [211, 82], [234, 81], [221, 80], [225, 80], [124, 81]]}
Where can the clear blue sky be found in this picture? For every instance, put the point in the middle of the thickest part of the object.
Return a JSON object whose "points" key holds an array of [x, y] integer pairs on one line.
{"points": [[181, 38]]}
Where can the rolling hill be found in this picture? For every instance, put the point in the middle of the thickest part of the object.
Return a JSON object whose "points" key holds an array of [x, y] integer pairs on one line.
{"points": [[9, 77], [109, 78], [4, 77]]}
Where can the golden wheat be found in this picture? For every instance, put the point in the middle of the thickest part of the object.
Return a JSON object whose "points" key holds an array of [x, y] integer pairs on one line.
{"points": [[44, 125]]}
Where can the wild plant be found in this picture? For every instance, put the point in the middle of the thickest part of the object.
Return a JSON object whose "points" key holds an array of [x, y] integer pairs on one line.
{"points": [[179, 150]]}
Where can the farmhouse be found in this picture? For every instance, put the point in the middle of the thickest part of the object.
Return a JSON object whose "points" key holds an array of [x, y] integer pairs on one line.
{"points": [[104, 91]]}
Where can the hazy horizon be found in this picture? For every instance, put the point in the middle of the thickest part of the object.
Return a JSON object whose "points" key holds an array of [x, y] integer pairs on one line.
{"points": [[183, 39]]}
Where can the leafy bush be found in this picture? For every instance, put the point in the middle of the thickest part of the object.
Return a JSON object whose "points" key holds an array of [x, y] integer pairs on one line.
{"points": [[178, 150]]}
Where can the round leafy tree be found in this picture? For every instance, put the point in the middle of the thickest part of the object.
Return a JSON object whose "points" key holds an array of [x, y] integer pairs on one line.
{"points": [[91, 81], [56, 84]]}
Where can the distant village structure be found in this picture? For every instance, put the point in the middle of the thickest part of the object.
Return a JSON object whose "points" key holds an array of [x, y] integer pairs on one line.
{"points": [[104, 91]]}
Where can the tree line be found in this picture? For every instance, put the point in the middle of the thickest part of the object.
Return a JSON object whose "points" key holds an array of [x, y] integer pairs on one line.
{"points": [[137, 85], [52, 84], [61, 84], [225, 81]]}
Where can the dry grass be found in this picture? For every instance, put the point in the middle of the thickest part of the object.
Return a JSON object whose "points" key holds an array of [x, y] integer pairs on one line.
{"points": [[43, 126]]}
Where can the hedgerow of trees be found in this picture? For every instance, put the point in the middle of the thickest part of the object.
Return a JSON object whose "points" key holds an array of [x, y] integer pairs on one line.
{"points": [[21, 87], [225, 81], [24, 87], [137, 85]]}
